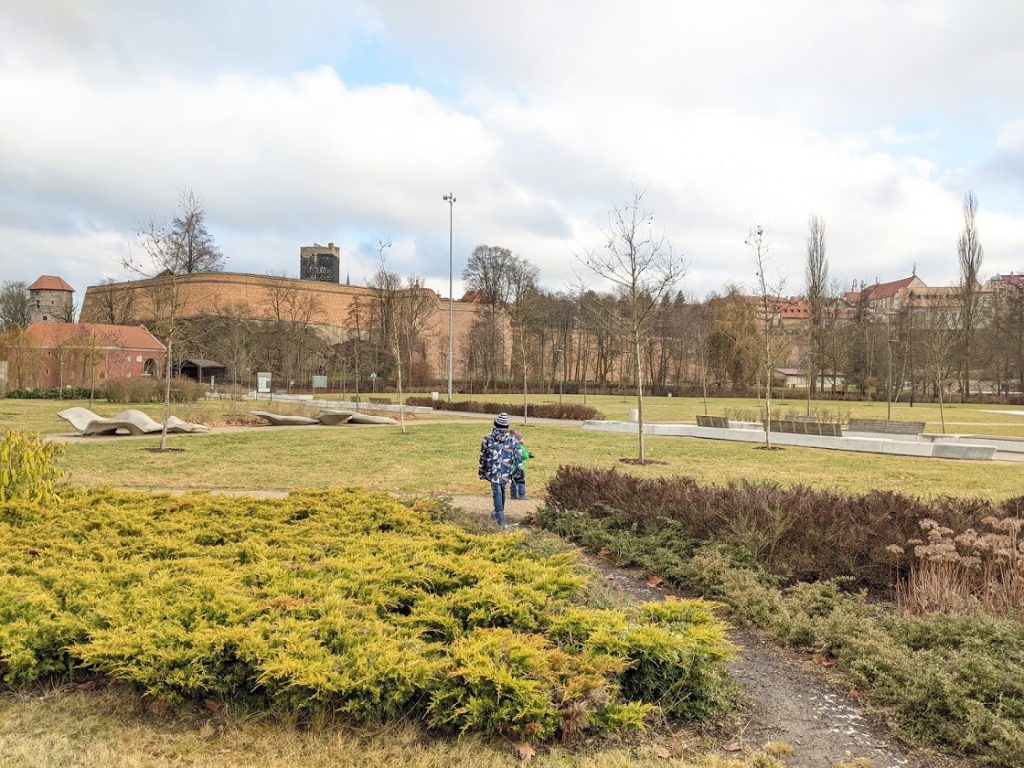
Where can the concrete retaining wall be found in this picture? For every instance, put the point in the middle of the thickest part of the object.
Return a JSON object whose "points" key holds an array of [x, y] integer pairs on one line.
{"points": [[874, 444]]}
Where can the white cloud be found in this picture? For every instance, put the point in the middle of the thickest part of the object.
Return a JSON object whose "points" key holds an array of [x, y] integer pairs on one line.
{"points": [[539, 117]]}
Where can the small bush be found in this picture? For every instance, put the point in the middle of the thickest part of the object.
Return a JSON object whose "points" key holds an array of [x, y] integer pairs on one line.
{"points": [[572, 411], [28, 471], [795, 532], [151, 390], [53, 393]]}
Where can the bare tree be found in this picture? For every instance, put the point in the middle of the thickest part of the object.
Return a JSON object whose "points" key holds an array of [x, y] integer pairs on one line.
{"points": [[14, 305], [769, 308], [642, 266], [161, 261], [114, 305], [817, 282], [523, 308], [970, 255], [199, 252], [387, 286], [489, 274]]}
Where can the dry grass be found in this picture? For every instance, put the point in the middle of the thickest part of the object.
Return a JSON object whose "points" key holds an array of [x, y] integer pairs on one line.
{"points": [[973, 570], [114, 728]]}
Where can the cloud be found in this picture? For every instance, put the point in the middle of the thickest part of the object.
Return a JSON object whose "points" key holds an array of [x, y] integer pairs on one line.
{"points": [[539, 117]]}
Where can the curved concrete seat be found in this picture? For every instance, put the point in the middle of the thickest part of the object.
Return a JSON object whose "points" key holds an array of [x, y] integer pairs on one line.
{"points": [[278, 420], [333, 418], [132, 421], [365, 418]]}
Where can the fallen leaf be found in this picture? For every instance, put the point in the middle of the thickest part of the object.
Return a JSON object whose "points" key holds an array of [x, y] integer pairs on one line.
{"points": [[822, 661], [855, 694], [523, 750], [662, 753], [732, 746], [212, 704], [654, 581]]}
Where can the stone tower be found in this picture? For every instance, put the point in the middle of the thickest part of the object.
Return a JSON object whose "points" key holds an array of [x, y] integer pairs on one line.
{"points": [[50, 300], [320, 263]]}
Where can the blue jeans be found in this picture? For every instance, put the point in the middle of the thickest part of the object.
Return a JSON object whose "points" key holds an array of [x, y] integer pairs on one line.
{"points": [[518, 488], [498, 492]]}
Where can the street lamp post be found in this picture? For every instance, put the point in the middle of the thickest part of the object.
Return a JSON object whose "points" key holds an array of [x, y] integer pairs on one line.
{"points": [[888, 388], [450, 199], [561, 376]]}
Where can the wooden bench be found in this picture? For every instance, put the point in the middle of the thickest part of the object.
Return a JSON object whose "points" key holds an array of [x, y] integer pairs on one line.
{"points": [[886, 426], [719, 422], [793, 427]]}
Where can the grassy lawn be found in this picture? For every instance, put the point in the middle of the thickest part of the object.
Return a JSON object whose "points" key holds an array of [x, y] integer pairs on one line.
{"points": [[970, 418], [441, 457]]}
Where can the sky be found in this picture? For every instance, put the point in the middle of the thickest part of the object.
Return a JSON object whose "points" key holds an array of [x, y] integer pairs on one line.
{"points": [[303, 121]]}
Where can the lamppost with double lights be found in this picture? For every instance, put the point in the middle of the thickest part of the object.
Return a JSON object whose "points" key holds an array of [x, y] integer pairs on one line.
{"points": [[450, 199]]}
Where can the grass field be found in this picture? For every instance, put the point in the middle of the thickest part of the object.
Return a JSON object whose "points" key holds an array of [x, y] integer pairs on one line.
{"points": [[969, 418], [441, 457]]}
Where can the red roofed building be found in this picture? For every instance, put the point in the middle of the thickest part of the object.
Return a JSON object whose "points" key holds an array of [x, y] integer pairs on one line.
{"points": [[83, 355], [886, 298]]}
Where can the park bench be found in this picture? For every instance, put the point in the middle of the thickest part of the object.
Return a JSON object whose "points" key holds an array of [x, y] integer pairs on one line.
{"points": [[794, 427], [887, 426], [720, 422], [380, 400]]}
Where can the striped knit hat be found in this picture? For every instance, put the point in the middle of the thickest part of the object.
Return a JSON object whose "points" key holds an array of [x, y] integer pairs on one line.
{"points": [[501, 422]]}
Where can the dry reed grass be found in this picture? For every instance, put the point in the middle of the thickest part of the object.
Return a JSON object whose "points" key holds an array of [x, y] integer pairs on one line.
{"points": [[964, 572]]}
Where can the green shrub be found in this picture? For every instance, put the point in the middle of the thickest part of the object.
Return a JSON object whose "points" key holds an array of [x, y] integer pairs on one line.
{"points": [[340, 601], [950, 680], [28, 470], [52, 393], [572, 411]]}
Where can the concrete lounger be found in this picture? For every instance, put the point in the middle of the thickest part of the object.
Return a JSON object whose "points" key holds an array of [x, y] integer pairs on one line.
{"points": [[85, 422], [278, 420], [333, 418], [365, 418]]}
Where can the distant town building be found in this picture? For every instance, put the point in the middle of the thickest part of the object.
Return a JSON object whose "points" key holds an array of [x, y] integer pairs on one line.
{"points": [[50, 300], [320, 263], [83, 355]]}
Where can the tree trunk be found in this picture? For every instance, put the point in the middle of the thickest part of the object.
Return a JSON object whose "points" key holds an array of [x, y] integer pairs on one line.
{"points": [[639, 395]]}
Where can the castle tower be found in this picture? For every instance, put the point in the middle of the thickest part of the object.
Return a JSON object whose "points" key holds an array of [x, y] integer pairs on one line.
{"points": [[320, 263], [50, 300]]}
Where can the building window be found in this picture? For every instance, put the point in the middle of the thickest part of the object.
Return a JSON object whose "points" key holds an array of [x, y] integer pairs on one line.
{"points": [[149, 367]]}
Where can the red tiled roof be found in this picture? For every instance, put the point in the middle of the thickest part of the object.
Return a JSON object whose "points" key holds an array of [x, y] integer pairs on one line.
{"points": [[49, 335], [50, 283], [887, 290]]}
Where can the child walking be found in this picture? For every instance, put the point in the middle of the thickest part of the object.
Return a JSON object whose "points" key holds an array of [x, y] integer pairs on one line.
{"points": [[518, 481]]}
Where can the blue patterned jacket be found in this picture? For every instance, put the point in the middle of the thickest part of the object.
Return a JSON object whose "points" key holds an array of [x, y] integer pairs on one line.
{"points": [[499, 456]]}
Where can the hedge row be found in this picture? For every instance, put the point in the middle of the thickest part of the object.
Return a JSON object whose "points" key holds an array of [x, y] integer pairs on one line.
{"points": [[571, 411], [54, 393], [796, 532], [340, 601]]}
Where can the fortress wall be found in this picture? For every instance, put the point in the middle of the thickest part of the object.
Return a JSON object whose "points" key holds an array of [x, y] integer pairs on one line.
{"points": [[254, 297]]}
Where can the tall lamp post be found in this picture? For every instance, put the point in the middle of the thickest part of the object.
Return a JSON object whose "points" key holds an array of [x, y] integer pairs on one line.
{"points": [[561, 374], [450, 199], [888, 388]]}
